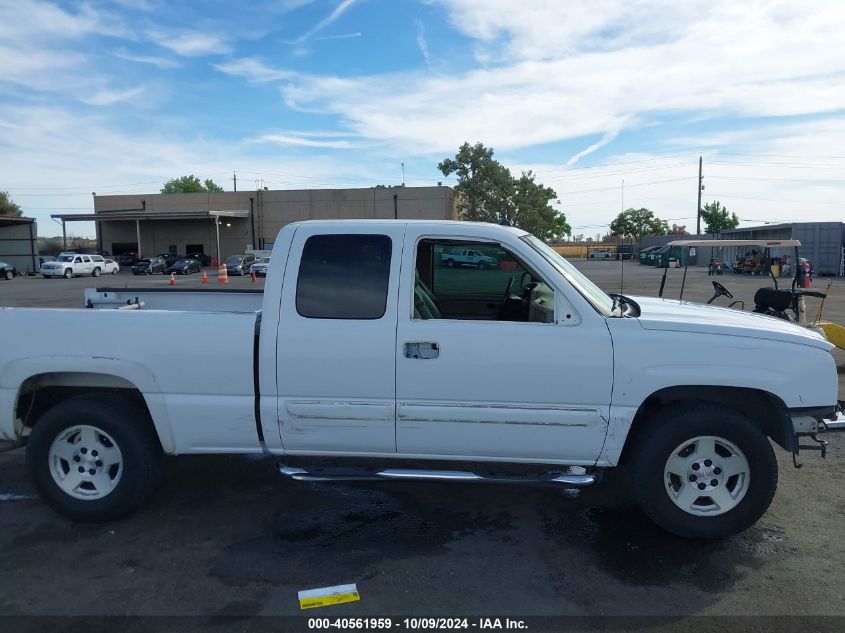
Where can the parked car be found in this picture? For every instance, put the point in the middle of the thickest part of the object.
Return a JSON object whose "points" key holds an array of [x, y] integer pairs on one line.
{"points": [[169, 258], [599, 255], [260, 266], [355, 350], [127, 259], [185, 266], [468, 257], [7, 271], [155, 264], [239, 264], [204, 259], [69, 265], [110, 267]]}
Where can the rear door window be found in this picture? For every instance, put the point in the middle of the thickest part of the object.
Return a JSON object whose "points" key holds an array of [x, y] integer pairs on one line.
{"points": [[344, 276]]}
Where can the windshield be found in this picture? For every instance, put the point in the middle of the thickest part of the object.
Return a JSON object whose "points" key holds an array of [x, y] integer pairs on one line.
{"points": [[234, 259], [263, 260], [65, 258], [590, 291]]}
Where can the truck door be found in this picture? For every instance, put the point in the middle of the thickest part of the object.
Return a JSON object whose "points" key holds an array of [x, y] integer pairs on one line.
{"points": [[336, 365], [484, 373]]}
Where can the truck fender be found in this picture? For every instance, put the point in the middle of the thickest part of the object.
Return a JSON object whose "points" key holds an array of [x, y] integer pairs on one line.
{"points": [[15, 373]]}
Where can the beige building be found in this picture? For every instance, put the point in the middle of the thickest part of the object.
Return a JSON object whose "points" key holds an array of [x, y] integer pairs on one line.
{"points": [[187, 223]]}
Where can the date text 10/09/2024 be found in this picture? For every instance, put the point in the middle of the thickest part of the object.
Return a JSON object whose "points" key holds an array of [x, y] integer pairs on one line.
{"points": [[417, 623]]}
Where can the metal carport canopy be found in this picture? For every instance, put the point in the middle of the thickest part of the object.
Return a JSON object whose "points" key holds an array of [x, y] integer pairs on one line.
{"points": [[106, 216], [139, 215]]}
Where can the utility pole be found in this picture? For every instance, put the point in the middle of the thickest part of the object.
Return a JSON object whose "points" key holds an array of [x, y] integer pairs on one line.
{"points": [[698, 211], [235, 180]]}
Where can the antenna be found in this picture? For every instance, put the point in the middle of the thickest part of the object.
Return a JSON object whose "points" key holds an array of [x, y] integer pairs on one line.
{"points": [[403, 173], [622, 250]]}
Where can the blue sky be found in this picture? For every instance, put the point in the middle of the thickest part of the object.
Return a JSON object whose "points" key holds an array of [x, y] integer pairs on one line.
{"points": [[119, 96]]}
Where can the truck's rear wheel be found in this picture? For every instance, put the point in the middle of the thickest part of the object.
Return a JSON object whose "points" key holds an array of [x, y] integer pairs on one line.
{"points": [[93, 458], [702, 470]]}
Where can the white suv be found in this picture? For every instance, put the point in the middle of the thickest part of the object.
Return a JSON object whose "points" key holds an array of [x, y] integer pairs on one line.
{"points": [[69, 265]]}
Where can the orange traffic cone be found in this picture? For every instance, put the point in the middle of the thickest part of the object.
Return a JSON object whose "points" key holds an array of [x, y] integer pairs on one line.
{"points": [[252, 276], [204, 278], [223, 274], [172, 280]]}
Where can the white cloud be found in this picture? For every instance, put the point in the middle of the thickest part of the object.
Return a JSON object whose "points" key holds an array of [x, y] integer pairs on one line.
{"points": [[339, 10], [85, 154], [301, 141], [190, 43], [604, 140], [110, 97], [713, 59], [160, 62], [422, 43], [341, 36], [253, 70], [30, 21]]}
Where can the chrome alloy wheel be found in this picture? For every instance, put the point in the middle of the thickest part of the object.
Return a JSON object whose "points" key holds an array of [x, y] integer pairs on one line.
{"points": [[706, 476], [85, 462]]}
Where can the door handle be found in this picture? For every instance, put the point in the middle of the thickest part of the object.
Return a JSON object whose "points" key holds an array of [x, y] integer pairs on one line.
{"points": [[423, 350]]}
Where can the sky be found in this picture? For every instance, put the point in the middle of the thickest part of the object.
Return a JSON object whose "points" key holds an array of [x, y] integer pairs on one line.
{"points": [[609, 102]]}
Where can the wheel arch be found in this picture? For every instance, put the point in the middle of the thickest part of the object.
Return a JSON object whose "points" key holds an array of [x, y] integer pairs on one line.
{"points": [[37, 390], [764, 409]]}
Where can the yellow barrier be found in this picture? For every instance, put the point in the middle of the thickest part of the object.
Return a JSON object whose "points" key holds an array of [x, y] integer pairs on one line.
{"points": [[576, 251]]}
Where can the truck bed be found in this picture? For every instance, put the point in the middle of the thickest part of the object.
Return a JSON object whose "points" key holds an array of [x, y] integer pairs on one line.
{"points": [[177, 299], [195, 370]]}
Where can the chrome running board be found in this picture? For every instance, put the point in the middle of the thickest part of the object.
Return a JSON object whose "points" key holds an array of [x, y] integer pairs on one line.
{"points": [[563, 479]]}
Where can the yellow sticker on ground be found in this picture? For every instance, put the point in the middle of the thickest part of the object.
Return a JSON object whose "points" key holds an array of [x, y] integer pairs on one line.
{"points": [[327, 596]]}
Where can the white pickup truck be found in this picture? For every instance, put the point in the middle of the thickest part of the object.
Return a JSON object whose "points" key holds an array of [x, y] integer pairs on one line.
{"points": [[468, 257], [364, 358]]}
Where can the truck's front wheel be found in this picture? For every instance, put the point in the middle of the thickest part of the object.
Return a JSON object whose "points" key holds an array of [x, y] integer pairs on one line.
{"points": [[93, 459], [702, 470]]}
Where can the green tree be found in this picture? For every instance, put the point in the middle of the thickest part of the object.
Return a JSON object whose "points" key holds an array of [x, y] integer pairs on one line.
{"points": [[638, 222], [7, 206], [190, 184], [717, 218], [487, 192]]}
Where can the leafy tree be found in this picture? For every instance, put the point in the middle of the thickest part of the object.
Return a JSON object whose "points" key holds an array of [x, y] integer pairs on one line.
{"points": [[636, 223], [190, 184], [8, 207], [717, 219], [487, 192], [678, 229]]}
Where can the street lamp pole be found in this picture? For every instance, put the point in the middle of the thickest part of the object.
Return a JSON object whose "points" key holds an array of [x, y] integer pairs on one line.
{"points": [[217, 231]]}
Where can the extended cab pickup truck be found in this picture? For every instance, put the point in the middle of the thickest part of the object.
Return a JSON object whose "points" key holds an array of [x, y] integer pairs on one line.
{"points": [[468, 257], [364, 350]]}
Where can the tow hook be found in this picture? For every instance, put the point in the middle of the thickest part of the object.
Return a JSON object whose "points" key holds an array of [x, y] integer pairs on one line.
{"points": [[820, 445]]}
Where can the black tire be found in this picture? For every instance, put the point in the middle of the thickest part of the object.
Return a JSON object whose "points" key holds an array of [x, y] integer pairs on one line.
{"points": [[97, 272], [482, 265], [9, 275], [670, 427], [68, 273], [114, 271], [142, 457], [450, 263]]}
